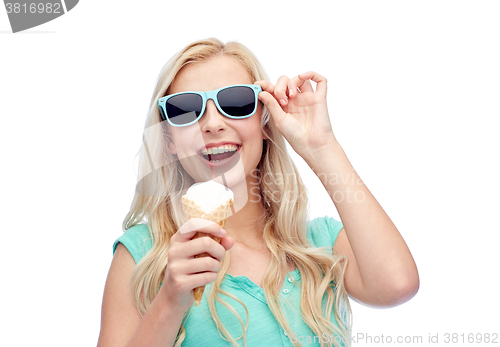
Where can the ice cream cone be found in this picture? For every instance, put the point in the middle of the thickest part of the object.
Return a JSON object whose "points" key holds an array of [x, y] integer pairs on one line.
{"points": [[218, 215]]}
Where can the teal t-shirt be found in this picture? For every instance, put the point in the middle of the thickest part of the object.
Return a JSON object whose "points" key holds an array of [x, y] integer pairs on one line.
{"points": [[263, 328]]}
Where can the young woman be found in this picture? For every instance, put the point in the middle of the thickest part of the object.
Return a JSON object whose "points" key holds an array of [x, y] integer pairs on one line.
{"points": [[276, 278]]}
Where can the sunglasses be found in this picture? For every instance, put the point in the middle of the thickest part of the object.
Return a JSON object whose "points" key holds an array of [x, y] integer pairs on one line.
{"points": [[186, 108]]}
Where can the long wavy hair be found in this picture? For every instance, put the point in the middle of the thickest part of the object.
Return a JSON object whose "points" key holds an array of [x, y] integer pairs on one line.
{"points": [[284, 199]]}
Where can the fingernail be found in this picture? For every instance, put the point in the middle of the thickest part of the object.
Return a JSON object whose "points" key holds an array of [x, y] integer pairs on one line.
{"points": [[283, 101], [290, 92], [223, 232]]}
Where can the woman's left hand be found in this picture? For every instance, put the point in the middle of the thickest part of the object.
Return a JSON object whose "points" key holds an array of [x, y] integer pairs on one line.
{"points": [[299, 112]]}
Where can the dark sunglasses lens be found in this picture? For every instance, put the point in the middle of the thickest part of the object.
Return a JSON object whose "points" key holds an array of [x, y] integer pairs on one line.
{"points": [[183, 109], [237, 101]]}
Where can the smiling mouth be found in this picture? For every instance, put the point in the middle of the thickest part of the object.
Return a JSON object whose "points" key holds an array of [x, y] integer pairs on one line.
{"points": [[214, 155]]}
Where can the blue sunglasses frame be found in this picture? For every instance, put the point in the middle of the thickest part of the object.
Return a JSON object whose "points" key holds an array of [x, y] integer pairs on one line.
{"points": [[205, 96]]}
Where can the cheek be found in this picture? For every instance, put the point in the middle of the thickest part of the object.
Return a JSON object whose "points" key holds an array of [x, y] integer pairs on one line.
{"points": [[257, 132], [251, 134], [181, 139], [253, 124], [172, 148]]}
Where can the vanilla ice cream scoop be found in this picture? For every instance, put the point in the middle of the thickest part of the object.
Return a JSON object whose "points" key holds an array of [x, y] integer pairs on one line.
{"points": [[208, 196]]}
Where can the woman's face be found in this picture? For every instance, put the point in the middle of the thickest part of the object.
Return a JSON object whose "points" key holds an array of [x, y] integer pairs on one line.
{"points": [[214, 130]]}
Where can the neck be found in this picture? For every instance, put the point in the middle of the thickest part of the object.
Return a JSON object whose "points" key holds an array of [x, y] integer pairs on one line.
{"points": [[247, 223]]}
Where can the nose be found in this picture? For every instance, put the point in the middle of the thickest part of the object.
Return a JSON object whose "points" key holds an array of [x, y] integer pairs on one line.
{"points": [[212, 120]]}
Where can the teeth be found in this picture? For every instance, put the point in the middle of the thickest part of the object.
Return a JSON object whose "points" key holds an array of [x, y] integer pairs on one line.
{"points": [[221, 149]]}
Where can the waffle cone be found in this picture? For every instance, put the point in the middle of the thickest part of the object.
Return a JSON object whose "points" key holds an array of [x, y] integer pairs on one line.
{"points": [[219, 215]]}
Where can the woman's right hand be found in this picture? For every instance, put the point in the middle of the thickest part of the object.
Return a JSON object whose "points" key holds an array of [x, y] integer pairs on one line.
{"points": [[185, 272]]}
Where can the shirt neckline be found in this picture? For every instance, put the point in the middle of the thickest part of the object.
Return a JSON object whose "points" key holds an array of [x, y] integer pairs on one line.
{"points": [[257, 292], [294, 274]]}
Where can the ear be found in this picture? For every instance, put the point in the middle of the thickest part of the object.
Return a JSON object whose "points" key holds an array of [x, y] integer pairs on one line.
{"points": [[265, 130]]}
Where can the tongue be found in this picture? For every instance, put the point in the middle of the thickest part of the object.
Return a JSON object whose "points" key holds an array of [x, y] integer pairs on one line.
{"points": [[220, 156]]}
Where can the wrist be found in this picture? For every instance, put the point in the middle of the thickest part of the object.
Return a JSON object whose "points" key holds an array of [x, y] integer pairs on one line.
{"points": [[169, 305], [333, 168], [326, 152]]}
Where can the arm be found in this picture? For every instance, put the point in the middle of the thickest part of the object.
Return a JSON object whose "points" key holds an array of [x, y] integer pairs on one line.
{"points": [[380, 270], [121, 324]]}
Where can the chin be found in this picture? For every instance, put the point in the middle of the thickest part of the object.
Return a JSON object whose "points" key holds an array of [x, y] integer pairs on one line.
{"points": [[233, 179]]}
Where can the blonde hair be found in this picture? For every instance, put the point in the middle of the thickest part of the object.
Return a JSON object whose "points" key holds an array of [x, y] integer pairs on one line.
{"points": [[157, 202]]}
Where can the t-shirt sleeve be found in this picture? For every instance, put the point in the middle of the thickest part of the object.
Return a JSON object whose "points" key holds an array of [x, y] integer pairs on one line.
{"points": [[323, 231], [137, 240]]}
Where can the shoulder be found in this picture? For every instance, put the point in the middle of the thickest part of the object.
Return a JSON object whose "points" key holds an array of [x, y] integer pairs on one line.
{"points": [[137, 240], [323, 231]]}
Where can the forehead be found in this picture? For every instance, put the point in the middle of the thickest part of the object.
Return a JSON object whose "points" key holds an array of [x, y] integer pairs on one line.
{"points": [[210, 74]]}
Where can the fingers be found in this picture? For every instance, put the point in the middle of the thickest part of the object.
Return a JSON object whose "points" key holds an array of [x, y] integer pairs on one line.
{"points": [[192, 226], [201, 245], [183, 279], [184, 271], [287, 88], [280, 90], [313, 76], [296, 86], [227, 242], [272, 105], [266, 86], [199, 265], [183, 246]]}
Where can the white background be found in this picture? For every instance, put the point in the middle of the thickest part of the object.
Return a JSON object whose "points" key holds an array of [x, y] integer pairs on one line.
{"points": [[414, 99]]}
